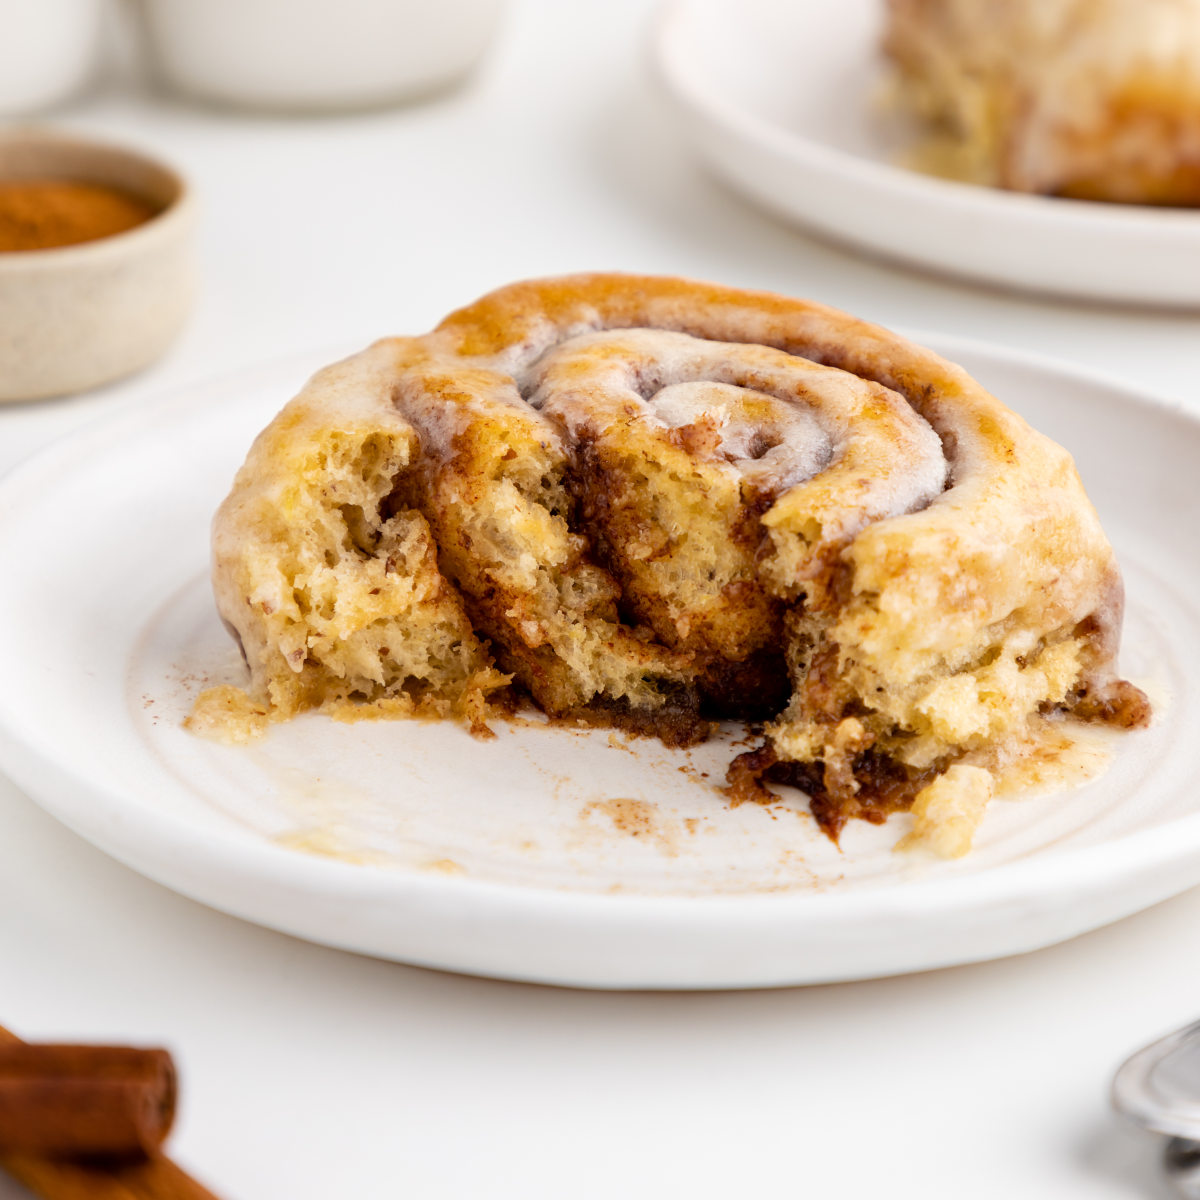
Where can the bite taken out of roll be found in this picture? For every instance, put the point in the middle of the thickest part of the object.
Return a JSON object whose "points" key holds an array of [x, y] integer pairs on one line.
{"points": [[651, 503]]}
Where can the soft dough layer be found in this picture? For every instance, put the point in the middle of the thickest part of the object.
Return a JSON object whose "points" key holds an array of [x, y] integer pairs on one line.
{"points": [[652, 503]]}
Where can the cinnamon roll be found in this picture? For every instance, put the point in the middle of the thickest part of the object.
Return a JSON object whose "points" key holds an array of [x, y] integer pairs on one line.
{"points": [[651, 503], [1096, 99]]}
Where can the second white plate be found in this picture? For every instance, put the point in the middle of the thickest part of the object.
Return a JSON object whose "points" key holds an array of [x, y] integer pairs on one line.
{"points": [[782, 101], [552, 855]]}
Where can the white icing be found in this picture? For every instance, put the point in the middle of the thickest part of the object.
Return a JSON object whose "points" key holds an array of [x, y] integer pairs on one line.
{"points": [[745, 419], [888, 459]]}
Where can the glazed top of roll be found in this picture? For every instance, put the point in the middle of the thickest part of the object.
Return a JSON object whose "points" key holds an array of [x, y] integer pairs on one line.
{"points": [[970, 552]]}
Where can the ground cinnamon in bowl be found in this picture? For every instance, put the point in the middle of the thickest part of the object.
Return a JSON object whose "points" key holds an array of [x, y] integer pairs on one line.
{"points": [[97, 262], [40, 214]]}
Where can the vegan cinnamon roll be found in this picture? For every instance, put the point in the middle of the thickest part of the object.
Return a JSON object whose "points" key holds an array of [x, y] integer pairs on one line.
{"points": [[1094, 99], [653, 504]]}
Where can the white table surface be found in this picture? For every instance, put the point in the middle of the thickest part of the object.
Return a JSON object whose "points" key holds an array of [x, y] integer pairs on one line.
{"points": [[310, 1073]]}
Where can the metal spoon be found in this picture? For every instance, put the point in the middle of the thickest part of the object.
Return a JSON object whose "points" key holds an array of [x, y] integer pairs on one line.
{"points": [[1159, 1088], [1181, 1162]]}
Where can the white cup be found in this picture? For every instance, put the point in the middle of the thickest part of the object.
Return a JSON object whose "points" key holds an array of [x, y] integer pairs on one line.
{"points": [[47, 51], [315, 55]]}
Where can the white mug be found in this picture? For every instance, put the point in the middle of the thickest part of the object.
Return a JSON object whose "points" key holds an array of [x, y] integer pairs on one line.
{"points": [[315, 55], [47, 52]]}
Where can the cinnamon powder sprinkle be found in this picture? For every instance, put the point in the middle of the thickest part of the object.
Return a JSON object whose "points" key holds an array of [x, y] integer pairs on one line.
{"points": [[40, 214]]}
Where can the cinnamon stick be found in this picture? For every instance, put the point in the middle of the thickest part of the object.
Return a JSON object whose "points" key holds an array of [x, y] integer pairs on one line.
{"points": [[153, 1178], [84, 1100], [150, 1177]]}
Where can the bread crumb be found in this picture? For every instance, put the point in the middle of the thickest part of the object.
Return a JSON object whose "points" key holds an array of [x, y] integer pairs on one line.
{"points": [[637, 818], [227, 714], [947, 812], [445, 866]]}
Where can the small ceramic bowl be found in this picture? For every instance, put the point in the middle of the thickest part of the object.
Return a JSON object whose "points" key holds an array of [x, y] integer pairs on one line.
{"points": [[74, 317], [315, 55]]}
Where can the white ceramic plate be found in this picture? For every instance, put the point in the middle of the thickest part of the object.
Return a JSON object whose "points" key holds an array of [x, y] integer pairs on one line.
{"points": [[783, 101], [547, 854]]}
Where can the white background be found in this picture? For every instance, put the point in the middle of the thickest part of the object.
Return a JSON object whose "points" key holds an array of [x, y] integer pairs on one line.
{"points": [[309, 1073]]}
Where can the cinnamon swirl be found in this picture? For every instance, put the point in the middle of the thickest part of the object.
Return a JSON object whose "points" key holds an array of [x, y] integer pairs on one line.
{"points": [[652, 503]]}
